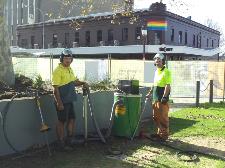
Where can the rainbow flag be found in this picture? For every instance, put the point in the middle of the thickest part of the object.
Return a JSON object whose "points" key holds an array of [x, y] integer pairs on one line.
{"points": [[157, 25]]}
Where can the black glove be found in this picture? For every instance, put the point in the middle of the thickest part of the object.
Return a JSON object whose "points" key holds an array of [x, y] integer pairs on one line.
{"points": [[164, 100]]}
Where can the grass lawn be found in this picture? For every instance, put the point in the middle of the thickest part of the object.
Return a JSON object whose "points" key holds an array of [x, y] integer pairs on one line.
{"points": [[200, 129], [208, 120]]}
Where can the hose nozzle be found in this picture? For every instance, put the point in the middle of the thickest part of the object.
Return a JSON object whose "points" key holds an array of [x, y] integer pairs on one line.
{"points": [[44, 127]]}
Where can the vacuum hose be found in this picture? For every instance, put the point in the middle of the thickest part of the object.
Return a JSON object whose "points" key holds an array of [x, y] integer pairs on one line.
{"points": [[117, 106], [139, 120], [4, 118], [112, 115], [93, 116]]}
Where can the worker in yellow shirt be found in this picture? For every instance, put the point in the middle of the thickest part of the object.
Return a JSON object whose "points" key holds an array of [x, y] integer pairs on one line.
{"points": [[160, 97], [64, 82]]}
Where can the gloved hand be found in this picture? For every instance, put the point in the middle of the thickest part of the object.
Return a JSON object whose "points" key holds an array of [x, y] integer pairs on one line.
{"points": [[148, 95], [85, 85], [164, 100]]}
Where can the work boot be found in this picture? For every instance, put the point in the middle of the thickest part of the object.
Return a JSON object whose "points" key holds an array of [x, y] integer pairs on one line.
{"points": [[63, 147], [72, 141], [154, 137], [157, 137]]}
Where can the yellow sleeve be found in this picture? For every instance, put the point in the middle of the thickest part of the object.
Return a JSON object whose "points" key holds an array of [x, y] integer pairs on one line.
{"points": [[168, 77], [74, 77], [56, 77]]}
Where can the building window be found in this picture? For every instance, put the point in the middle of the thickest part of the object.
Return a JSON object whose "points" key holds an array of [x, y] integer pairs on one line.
{"points": [[212, 43], [67, 39], [207, 43], [185, 38], [157, 39], [193, 40], [32, 41], [30, 15], [87, 38], [110, 35], [172, 35], [77, 35], [138, 33], [24, 43], [125, 34], [55, 40], [18, 39], [21, 12], [99, 35], [199, 41], [11, 34], [180, 37]]}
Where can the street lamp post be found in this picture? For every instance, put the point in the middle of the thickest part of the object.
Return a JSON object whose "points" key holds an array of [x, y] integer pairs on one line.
{"points": [[43, 27], [144, 33]]}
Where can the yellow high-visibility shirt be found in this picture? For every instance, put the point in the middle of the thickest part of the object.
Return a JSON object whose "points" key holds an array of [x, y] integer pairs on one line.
{"points": [[162, 77], [62, 75]]}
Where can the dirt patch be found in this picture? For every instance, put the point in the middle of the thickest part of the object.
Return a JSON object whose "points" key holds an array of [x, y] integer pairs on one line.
{"points": [[208, 142], [208, 145], [24, 87]]}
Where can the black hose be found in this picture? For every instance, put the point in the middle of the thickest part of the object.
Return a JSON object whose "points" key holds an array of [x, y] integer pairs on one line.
{"points": [[128, 113], [93, 117], [111, 120], [5, 112], [139, 120]]}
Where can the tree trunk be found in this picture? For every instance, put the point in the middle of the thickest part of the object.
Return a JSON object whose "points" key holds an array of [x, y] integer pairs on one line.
{"points": [[6, 67]]}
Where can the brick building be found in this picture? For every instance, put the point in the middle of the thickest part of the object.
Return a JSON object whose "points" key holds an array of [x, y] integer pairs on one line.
{"points": [[188, 37], [20, 12]]}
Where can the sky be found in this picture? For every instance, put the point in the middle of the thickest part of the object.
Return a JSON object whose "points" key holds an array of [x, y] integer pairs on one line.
{"points": [[199, 10]]}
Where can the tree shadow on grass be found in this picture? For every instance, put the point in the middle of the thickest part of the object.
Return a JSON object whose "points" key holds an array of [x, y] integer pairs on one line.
{"points": [[175, 125], [179, 124], [178, 144]]}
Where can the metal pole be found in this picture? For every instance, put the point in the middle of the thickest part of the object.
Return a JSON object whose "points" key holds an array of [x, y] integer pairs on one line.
{"points": [[223, 80], [43, 32], [144, 48], [166, 60], [108, 69], [211, 92], [51, 66], [43, 27], [110, 66], [85, 118], [197, 93]]}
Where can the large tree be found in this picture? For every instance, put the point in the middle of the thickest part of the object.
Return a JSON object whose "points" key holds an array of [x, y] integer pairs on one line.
{"points": [[6, 66]]}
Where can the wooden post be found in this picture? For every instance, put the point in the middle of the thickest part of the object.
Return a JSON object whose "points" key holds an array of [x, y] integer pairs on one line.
{"points": [[223, 80], [211, 91], [109, 66], [197, 93]]}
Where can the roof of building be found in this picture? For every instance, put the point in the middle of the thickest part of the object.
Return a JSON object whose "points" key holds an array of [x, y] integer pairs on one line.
{"points": [[109, 15], [129, 49]]}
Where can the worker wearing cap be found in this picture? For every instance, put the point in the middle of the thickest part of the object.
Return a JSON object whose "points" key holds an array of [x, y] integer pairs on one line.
{"points": [[64, 82], [160, 96]]}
